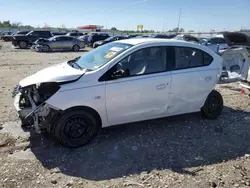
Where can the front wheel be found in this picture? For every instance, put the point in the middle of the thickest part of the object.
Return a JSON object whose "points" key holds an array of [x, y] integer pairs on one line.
{"points": [[46, 48], [76, 48], [213, 105], [22, 44], [75, 128]]}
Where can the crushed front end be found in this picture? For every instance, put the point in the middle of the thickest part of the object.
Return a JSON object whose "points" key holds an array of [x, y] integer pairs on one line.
{"points": [[30, 104]]}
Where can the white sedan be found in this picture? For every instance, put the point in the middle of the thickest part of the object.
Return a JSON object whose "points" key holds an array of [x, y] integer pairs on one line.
{"points": [[120, 82]]}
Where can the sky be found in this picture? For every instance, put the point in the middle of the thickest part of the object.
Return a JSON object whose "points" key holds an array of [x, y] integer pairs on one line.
{"points": [[159, 15]]}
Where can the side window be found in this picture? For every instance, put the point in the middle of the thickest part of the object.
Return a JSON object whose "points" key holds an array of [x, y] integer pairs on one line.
{"points": [[35, 34], [66, 38], [144, 61], [207, 59], [221, 41], [59, 38], [74, 34], [188, 57], [213, 41]]}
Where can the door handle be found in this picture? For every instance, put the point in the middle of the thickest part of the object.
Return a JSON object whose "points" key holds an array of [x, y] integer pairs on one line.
{"points": [[161, 86], [208, 78]]}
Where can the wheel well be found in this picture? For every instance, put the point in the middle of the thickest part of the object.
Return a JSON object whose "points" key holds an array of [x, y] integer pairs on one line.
{"points": [[55, 116], [87, 109]]}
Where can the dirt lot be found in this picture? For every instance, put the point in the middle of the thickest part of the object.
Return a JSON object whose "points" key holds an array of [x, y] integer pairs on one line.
{"points": [[182, 151]]}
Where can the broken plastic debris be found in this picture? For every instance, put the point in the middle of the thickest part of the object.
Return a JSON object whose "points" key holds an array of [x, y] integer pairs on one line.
{"points": [[243, 91], [247, 118], [134, 148], [116, 148]]}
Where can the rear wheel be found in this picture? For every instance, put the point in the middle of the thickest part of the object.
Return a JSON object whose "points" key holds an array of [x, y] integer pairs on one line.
{"points": [[22, 44], [76, 48], [213, 105], [46, 48], [75, 128]]}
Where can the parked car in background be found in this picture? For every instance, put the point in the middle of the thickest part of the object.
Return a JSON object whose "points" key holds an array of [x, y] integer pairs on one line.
{"points": [[58, 33], [84, 38], [226, 40], [74, 34], [93, 37], [131, 36], [5, 33], [108, 40], [10, 37], [24, 41], [214, 43], [142, 36], [58, 43], [121, 82], [188, 38], [162, 36]]}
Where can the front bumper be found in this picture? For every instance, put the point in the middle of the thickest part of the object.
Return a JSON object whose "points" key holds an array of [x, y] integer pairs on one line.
{"points": [[37, 48], [14, 43], [23, 112]]}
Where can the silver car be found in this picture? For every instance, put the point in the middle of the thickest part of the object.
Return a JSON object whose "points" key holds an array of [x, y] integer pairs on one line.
{"points": [[59, 43]]}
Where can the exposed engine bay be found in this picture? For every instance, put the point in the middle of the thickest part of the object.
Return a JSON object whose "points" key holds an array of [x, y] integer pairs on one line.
{"points": [[30, 103]]}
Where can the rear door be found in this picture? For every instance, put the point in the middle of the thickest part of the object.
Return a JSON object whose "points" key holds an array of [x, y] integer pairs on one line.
{"points": [[194, 75], [57, 43], [68, 43], [236, 62]]}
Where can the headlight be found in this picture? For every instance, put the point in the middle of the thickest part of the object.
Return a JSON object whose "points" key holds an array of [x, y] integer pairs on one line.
{"points": [[46, 90]]}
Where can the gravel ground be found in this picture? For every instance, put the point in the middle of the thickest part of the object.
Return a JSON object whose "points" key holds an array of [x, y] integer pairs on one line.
{"points": [[181, 151]]}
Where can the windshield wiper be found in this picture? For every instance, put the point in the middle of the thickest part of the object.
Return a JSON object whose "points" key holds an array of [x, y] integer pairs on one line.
{"points": [[73, 62]]}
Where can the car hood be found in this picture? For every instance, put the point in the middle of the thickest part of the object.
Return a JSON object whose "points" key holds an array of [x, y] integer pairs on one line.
{"points": [[57, 73], [235, 38]]}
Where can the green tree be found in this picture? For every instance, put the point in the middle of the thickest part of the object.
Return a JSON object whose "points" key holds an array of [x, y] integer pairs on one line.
{"points": [[113, 29]]}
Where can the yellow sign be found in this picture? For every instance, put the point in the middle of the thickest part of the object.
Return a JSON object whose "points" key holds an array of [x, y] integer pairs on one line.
{"points": [[139, 26], [110, 54]]}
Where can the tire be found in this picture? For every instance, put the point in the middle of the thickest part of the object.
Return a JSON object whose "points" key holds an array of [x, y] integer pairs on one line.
{"points": [[213, 105], [22, 44], [75, 128], [76, 48], [46, 48]]}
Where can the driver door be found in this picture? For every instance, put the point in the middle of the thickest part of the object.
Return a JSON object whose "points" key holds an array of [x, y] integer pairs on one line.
{"points": [[142, 93]]}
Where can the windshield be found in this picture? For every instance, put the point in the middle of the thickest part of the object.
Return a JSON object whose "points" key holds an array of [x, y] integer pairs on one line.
{"points": [[204, 39], [109, 39], [179, 37], [101, 55], [52, 38], [29, 33]]}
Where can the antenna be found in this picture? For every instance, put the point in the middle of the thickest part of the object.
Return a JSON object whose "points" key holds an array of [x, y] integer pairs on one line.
{"points": [[179, 20]]}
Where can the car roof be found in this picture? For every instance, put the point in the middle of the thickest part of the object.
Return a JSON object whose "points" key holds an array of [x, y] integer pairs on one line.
{"points": [[172, 42], [136, 41]]}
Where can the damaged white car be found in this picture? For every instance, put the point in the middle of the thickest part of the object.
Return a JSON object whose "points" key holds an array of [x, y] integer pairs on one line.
{"points": [[121, 82]]}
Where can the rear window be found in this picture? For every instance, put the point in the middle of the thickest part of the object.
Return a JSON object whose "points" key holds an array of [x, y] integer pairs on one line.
{"points": [[190, 58]]}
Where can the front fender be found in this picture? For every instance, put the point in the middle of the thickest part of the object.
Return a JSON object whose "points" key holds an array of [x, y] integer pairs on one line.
{"points": [[93, 97]]}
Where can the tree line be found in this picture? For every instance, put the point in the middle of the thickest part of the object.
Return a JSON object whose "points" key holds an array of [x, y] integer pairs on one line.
{"points": [[8, 24]]}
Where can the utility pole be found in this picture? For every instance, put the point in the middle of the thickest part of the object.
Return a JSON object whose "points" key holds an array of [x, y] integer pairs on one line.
{"points": [[179, 20], [163, 26]]}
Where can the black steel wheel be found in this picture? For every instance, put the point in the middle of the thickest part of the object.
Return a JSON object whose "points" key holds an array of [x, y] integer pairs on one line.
{"points": [[213, 105], [22, 44], [76, 48], [75, 128], [46, 48]]}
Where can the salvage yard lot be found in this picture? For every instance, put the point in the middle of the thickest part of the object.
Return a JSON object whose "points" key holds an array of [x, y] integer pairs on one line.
{"points": [[182, 151]]}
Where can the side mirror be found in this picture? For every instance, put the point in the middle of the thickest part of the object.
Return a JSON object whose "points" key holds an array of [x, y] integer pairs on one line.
{"points": [[120, 74]]}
